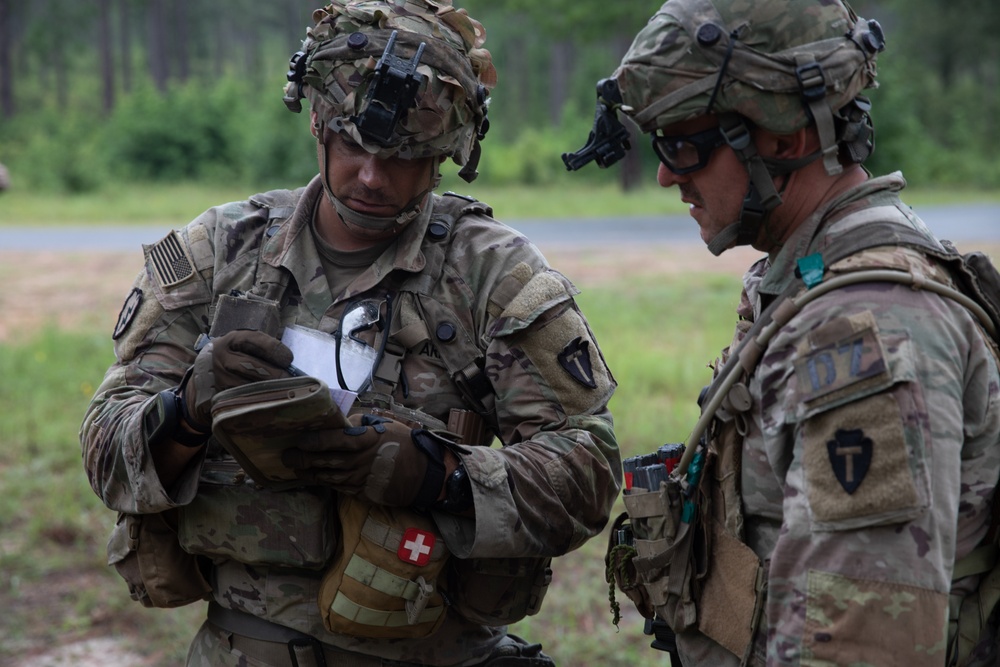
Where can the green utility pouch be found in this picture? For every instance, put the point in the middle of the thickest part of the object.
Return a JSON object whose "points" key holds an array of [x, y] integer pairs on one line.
{"points": [[144, 551], [498, 591], [231, 517], [256, 422]]}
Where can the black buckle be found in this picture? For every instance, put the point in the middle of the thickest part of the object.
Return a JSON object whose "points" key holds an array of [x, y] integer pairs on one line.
{"points": [[812, 83], [736, 133], [306, 643]]}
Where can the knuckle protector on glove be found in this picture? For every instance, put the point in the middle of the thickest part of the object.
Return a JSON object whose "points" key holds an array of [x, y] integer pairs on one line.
{"points": [[261, 346]]}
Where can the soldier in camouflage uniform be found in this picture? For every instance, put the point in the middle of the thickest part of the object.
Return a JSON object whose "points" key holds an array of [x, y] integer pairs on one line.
{"points": [[478, 338], [849, 472]]}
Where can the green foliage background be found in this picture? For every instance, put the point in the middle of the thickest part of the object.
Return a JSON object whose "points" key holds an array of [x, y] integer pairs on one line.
{"points": [[936, 111]]}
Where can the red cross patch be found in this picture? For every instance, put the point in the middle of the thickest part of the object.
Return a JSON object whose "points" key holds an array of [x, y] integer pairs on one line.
{"points": [[416, 546]]}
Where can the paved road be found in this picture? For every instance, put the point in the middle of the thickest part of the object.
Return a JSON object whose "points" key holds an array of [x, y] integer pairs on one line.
{"points": [[973, 222]]}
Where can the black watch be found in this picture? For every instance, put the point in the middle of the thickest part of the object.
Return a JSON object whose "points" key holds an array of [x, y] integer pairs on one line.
{"points": [[457, 492], [161, 420]]}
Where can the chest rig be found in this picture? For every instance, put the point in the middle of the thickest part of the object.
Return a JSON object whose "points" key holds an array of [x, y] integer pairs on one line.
{"points": [[388, 573], [450, 330], [687, 562]]}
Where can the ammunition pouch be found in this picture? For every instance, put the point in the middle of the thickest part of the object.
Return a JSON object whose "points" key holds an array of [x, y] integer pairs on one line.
{"points": [[652, 558], [143, 549], [677, 557]]}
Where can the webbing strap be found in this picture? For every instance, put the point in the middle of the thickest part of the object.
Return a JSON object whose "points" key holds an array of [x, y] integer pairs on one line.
{"points": [[382, 580], [979, 560], [351, 610]]}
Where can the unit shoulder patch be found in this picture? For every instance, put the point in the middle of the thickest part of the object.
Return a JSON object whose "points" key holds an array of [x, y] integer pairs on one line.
{"points": [[128, 312], [575, 358], [857, 465]]}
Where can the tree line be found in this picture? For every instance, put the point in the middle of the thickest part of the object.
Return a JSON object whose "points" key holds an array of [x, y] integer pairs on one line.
{"points": [[95, 92]]}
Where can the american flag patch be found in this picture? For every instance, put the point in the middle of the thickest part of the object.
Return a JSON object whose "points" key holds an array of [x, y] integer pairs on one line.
{"points": [[170, 261]]}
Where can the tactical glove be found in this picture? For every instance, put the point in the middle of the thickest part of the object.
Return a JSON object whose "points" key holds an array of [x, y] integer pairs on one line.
{"points": [[234, 359], [383, 460]]}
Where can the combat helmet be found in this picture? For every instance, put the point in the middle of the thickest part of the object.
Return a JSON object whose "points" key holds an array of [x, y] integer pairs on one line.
{"points": [[777, 65], [406, 78]]}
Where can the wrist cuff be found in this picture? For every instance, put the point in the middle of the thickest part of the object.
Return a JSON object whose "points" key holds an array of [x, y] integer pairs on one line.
{"points": [[161, 420], [433, 482]]}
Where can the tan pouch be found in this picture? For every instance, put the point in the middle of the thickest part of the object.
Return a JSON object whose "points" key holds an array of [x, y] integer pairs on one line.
{"points": [[145, 551], [257, 422], [384, 582], [666, 550]]}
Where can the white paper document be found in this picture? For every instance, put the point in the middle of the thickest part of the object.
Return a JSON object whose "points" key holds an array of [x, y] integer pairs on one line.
{"points": [[315, 354]]}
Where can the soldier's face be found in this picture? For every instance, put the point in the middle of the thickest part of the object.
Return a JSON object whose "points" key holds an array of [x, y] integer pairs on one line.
{"points": [[373, 185], [713, 192]]}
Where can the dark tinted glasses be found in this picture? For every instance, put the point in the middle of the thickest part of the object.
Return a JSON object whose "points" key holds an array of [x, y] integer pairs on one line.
{"points": [[685, 153]]}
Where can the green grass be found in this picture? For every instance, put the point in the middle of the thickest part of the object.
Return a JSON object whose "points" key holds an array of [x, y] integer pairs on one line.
{"points": [[657, 338], [176, 204]]}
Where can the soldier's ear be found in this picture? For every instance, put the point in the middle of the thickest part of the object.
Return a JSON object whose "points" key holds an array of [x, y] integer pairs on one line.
{"points": [[798, 144], [314, 123]]}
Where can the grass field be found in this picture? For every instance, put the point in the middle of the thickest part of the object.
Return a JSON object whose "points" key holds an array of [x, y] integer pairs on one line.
{"points": [[175, 204]]}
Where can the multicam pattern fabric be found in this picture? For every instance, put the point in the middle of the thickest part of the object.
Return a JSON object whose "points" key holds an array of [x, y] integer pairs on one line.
{"points": [[459, 71], [859, 500], [671, 70], [548, 490]]}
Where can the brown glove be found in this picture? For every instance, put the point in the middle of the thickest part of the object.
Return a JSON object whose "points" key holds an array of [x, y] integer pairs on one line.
{"points": [[386, 461], [234, 359]]}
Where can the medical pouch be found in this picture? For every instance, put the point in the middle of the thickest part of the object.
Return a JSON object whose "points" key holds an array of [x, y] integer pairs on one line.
{"points": [[384, 582]]}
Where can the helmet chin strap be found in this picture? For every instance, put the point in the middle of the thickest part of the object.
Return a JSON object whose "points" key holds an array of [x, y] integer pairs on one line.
{"points": [[761, 197], [373, 223]]}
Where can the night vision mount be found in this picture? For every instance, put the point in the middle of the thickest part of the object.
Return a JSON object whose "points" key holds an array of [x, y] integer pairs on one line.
{"points": [[609, 139], [392, 93]]}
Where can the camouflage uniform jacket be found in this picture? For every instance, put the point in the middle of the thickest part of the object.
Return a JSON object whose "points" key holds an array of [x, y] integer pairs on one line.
{"points": [[545, 492], [871, 455]]}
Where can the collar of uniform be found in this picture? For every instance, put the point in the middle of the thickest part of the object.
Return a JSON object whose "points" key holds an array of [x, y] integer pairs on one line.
{"points": [[292, 246], [805, 239]]}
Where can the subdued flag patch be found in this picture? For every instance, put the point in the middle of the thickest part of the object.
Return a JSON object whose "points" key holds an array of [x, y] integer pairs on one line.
{"points": [[170, 261]]}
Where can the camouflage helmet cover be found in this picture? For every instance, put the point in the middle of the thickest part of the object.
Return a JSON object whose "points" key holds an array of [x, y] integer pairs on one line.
{"points": [[671, 71], [341, 52]]}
